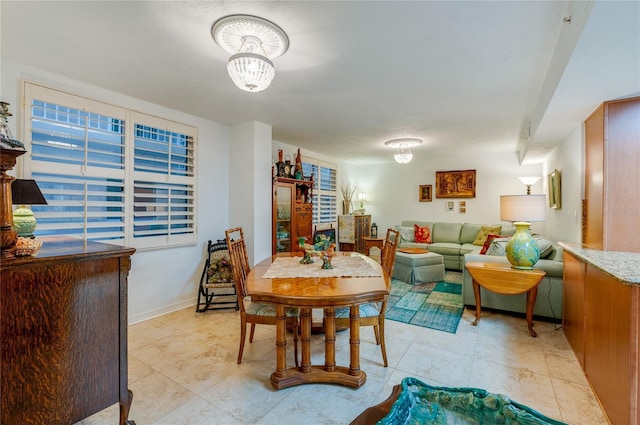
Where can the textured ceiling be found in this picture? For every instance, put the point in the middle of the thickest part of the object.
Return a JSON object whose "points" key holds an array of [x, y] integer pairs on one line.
{"points": [[473, 76]]}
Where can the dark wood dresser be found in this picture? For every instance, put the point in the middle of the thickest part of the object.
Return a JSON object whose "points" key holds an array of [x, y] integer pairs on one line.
{"points": [[63, 333]]}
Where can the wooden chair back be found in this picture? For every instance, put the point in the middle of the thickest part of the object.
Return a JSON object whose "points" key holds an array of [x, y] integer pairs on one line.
{"points": [[239, 259], [388, 254]]}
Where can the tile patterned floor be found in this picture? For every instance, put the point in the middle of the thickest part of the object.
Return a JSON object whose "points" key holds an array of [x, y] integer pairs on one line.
{"points": [[182, 370]]}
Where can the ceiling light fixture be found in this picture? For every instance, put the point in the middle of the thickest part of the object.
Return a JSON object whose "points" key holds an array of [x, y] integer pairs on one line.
{"points": [[403, 154], [253, 42]]}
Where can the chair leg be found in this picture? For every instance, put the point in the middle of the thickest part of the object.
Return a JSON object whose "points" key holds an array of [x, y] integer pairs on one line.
{"points": [[376, 332], [253, 329], [243, 336], [382, 345]]}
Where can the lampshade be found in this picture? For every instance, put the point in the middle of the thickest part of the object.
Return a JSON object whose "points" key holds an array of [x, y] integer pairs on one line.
{"points": [[252, 42], [403, 155], [25, 192], [522, 208]]}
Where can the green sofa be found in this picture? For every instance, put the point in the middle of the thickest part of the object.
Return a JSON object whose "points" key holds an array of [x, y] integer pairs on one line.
{"points": [[451, 240], [454, 241]]}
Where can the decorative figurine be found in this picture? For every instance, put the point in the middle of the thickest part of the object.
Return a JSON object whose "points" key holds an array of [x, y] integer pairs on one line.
{"points": [[327, 255], [305, 248]]}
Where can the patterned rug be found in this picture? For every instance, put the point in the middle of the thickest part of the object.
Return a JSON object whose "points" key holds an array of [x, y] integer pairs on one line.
{"points": [[435, 305]]}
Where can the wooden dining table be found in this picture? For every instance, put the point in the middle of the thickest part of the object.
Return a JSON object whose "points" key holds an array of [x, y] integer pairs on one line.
{"points": [[317, 292]]}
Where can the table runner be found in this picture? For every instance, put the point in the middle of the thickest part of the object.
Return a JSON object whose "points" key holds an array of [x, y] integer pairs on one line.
{"points": [[343, 266]]}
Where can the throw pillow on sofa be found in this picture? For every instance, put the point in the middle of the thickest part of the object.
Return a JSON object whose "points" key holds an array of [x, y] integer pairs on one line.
{"points": [[485, 231], [490, 239], [407, 234], [498, 245], [422, 234]]}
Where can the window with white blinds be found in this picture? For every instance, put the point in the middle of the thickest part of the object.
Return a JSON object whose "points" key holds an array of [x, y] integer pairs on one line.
{"points": [[109, 173], [325, 207]]}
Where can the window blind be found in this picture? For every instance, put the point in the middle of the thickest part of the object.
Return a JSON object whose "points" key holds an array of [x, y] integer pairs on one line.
{"points": [[109, 173]]}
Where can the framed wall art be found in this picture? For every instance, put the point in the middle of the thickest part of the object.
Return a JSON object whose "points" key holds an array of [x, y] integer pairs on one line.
{"points": [[456, 184], [555, 195], [424, 193]]}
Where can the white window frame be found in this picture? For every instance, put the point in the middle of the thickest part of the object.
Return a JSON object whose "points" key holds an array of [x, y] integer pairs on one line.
{"points": [[318, 192], [186, 200]]}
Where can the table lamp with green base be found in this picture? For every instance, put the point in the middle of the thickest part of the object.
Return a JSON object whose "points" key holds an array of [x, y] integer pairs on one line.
{"points": [[25, 192], [522, 250]]}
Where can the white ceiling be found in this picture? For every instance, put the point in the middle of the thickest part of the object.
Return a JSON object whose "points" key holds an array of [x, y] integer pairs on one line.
{"points": [[469, 76]]}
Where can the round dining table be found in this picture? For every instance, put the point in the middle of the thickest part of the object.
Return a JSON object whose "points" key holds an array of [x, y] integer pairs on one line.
{"points": [[315, 291]]}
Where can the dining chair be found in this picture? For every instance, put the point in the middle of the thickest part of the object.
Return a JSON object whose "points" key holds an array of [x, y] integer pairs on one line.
{"points": [[372, 314], [254, 313]]}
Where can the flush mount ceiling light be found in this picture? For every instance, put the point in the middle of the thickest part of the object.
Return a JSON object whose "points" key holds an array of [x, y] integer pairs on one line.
{"points": [[403, 154], [252, 42]]}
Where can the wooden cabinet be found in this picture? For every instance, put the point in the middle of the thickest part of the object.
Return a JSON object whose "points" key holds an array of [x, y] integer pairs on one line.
{"points": [[611, 344], [63, 333], [352, 229], [602, 324], [612, 177], [292, 213], [573, 300]]}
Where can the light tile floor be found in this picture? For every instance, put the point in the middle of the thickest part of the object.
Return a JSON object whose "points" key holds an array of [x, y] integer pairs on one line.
{"points": [[182, 370]]}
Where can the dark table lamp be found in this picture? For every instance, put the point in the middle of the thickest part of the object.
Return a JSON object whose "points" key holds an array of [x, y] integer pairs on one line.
{"points": [[25, 192]]}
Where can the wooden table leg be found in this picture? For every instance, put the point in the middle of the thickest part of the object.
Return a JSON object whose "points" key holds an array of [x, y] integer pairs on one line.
{"points": [[476, 293], [281, 341], [531, 302], [329, 339], [305, 337], [354, 340]]}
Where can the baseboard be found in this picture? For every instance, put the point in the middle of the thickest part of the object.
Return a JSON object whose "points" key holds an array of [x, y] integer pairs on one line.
{"points": [[151, 314]]}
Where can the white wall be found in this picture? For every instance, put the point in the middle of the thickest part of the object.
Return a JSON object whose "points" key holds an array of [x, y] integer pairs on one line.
{"points": [[250, 184], [160, 280], [392, 189], [565, 224]]}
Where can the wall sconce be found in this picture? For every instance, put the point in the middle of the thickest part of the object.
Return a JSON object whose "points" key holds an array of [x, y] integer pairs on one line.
{"points": [[529, 181]]}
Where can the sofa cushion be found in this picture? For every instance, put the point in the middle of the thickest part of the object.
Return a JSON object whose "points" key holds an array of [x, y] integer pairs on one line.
{"points": [[446, 232], [484, 231], [469, 248], [469, 232], [422, 234], [407, 234], [553, 268], [445, 248], [545, 247]]}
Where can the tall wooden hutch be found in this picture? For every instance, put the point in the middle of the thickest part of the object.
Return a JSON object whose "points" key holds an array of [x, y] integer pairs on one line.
{"points": [[292, 213]]}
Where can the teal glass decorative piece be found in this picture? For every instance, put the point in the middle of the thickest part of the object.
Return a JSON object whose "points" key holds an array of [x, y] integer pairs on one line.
{"points": [[522, 250], [419, 403]]}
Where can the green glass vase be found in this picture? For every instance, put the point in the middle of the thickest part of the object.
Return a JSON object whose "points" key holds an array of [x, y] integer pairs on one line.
{"points": [[522, 250]]}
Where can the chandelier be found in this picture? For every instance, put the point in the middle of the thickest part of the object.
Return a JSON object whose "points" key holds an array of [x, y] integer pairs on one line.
{"points": [[252, 43], [403, 153]]}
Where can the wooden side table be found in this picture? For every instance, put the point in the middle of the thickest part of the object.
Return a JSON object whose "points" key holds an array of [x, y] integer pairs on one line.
{"points": [[504, 279], [370, 242]]}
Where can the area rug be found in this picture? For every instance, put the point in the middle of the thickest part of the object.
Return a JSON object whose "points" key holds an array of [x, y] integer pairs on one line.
{"points": [[435, 305]]}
